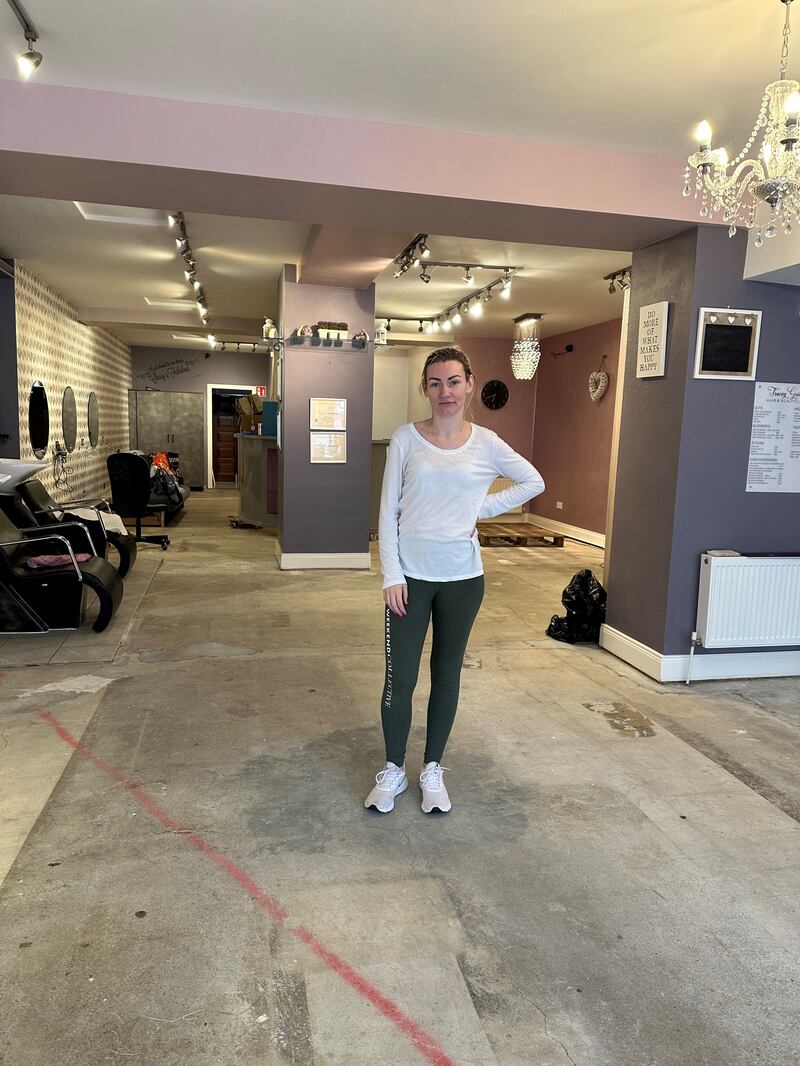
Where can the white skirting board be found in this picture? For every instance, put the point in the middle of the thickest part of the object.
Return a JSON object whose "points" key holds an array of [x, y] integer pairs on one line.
{"points": [[322, 560], [588, 536], [718, 667]]}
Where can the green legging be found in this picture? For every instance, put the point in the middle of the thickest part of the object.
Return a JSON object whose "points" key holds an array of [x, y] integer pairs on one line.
{"points": [[453, 606]]}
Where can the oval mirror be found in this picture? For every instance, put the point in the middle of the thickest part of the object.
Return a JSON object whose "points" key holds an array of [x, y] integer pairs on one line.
{"points": [[94, 420], [69, 419], [38, 419]]}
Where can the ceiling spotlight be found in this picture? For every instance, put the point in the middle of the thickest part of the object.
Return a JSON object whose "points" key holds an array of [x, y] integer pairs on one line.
{"points": [[464, 307], [182, 245], [424, 276], [204, 318], [468, 278], [457, 318], [421, 327], [175, 218], [424, 250], [436, 326], [447, 324], [416, 262], [196, 284], [505, 291], [189, 275], [399, 272], [476, 309], [612, 288], [388, 325], [30, 59], [487, 296], [212, 340]]}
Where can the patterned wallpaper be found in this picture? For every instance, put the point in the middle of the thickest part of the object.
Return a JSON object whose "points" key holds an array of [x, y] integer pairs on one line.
{"points": [[56, 349]]}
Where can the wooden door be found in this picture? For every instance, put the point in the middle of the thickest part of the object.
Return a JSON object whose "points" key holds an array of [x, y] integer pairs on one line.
{"points": [[153, 428], [225, 452], [186, 427]]}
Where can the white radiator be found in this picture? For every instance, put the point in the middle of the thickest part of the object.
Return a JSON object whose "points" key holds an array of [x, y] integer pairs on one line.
{"points": [[498, 485], [748, 601]]}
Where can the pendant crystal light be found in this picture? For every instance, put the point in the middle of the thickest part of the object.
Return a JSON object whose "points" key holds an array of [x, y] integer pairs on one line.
{"points": [[734, 188], [526, 350]]}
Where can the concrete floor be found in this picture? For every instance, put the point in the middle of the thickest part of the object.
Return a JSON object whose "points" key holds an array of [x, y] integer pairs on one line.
{"points": [[617, 884]]}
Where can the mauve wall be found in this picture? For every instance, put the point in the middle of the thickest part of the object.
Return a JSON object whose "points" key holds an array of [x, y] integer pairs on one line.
{"points": [[713, 509], [572, 435], [490, 358], [325, 507], [684, 443]]}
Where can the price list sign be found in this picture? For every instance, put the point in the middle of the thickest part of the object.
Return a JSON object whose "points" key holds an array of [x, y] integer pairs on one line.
{"points": [[775, 439]]}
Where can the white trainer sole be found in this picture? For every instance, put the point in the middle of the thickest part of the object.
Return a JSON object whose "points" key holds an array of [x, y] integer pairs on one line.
{"points": [[436, 808], [400, 791]]}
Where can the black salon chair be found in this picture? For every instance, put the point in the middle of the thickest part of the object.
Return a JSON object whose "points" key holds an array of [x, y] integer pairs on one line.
{"points": [[131, 489], [45, 511], [53, 596]]}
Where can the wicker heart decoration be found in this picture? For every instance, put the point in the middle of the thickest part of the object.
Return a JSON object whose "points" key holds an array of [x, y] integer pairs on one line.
{"points": [[598, 383]]}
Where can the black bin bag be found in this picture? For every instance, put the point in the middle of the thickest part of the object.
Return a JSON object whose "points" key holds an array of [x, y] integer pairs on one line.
{"points": [[584, 599]]}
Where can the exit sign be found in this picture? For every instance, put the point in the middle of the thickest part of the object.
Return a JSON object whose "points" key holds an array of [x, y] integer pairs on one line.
{"points": [[261, 390]]}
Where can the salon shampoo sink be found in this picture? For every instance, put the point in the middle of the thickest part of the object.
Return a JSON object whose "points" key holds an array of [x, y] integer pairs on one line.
{"points": [[14, 471]]}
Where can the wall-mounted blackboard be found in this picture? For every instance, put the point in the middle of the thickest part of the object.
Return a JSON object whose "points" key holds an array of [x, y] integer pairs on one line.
{"points": [[727, 343]]}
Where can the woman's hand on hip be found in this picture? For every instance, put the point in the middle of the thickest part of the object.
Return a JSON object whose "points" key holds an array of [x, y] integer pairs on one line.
{"points": [[396, 597]]}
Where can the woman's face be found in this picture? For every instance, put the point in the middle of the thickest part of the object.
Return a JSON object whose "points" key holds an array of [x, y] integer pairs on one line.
{"points": [[447, 388]]}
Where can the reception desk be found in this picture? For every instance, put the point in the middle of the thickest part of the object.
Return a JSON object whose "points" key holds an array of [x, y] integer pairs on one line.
{"points": [[258, 479]]}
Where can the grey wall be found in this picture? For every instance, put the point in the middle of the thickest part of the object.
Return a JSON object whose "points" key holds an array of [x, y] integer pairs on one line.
{"points": [[684, 443], [649, 447], [325, 507], [184, 370]]}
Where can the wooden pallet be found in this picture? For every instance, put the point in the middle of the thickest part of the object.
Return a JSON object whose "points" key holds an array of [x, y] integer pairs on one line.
{"points": [[497, 535]]}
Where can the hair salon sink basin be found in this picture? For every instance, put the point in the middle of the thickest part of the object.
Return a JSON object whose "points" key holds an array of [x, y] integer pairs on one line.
{"points": [[14, 471]]}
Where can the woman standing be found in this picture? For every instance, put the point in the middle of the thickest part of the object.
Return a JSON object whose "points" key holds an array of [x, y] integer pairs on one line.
{"points": [[438, 473]]}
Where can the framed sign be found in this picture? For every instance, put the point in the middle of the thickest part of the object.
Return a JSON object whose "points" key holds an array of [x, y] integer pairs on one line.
{"points": [[727, 344], [651, 344], [327, 413], [328, 447]]}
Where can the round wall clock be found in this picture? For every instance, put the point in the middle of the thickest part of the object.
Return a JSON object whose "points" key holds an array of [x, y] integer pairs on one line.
{"points": [[494, 395]]}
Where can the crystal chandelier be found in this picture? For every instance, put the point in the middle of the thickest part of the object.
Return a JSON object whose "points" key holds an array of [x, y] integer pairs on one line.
{"points": [[734, 188], [526, 351]]}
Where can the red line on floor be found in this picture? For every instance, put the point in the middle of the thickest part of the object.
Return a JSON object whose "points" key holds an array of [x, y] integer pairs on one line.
{"points": [[424, 1043]]}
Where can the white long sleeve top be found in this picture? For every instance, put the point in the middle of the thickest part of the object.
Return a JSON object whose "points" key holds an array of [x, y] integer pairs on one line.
{"points": [[432, 497]]}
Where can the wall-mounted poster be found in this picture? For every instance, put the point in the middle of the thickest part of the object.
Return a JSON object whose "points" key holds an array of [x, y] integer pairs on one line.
{"points": [[775, 438], [651, 345], [727, 344], [327, 413], [328, 447]]}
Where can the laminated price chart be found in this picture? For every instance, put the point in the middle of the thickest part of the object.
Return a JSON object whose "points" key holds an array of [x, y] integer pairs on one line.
{"points": [[774, 464]]}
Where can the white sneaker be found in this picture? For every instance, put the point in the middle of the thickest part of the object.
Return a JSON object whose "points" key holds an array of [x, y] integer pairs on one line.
{"points": [[389, 783], [434, 794]]}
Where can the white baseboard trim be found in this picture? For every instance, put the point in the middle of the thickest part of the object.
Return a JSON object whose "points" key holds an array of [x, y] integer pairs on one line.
{"points": [[718, 667], [322, 560], [588, 536]]}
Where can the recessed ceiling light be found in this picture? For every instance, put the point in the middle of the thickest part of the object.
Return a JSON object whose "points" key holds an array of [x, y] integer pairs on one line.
{"points": [[126, 216], [171, 305]]}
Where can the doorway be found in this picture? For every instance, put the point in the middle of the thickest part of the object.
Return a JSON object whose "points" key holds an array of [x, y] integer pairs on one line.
{"points": [[212, 389], [224, 424]]}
